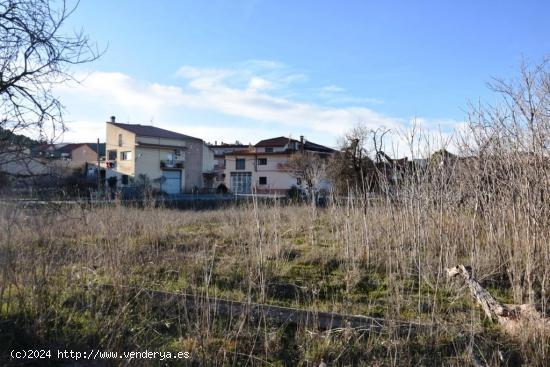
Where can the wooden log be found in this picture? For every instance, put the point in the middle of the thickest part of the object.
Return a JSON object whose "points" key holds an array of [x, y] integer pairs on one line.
{"points": [[514, 318], [277, 314]]}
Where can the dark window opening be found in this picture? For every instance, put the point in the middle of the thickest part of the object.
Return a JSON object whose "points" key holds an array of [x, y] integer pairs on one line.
{"points": [[269, 150], [239, 163], [111, 155], [263, 180], [262, 161], [125, 179]]}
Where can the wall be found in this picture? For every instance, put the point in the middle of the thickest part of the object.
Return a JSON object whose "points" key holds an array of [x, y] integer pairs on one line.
{"points": [[208, 160], [277, 177], [193, 164], [161, 141], [274, 149], [128, 145], [192, 155], [278, 180], [148, 163], [82, 155]]}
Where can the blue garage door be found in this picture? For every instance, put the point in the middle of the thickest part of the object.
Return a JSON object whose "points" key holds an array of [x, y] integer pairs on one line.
{"points": [[171, 182]]}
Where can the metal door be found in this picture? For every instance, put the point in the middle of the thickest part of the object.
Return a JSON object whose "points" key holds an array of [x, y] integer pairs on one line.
{"points": [[171, 182]]}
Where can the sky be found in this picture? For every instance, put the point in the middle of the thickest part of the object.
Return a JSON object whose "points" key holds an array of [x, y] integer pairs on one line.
{"points": [[253, 69]]}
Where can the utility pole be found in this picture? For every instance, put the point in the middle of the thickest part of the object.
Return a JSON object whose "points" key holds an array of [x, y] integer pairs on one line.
{"points": [[98, 171]]}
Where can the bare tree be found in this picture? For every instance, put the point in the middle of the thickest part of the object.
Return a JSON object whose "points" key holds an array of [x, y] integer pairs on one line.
{"points": [[353, 168], [509, 172], [36, 53], [311, 168]]}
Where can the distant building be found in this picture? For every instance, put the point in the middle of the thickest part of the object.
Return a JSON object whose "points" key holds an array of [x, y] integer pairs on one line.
{"points": [[263, 168], [78, 154], [19, 163], [81, 153], [174, 162], [66, 159]]}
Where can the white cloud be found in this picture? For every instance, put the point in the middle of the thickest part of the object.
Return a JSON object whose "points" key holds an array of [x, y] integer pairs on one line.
{"points": [[332, 89], [256, 84], [263, 64], [248, 100]]}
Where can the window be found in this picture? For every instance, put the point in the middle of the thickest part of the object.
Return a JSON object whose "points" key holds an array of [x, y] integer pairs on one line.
{"points": [[269, 150], [263, 181], [299, 181], [125, 179], [262, 161], [111, 155], [125, 156], [241, 182], [119, 140], [240, 163]]}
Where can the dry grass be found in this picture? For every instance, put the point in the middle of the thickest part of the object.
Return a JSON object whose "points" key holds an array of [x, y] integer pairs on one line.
{"points": [[385, 260]]}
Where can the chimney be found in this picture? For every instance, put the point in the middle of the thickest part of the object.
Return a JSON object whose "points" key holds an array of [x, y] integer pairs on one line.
{"points": [[113, 119], [301, 143]]}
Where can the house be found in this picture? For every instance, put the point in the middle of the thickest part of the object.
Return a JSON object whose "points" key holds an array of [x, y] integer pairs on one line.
{"points": [[174, 162], [70, 155], [81, 153], [47, 151], [69, 159], [263, 168], [19, 163]]}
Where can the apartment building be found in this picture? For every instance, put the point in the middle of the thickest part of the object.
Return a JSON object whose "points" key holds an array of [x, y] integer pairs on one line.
{"points": [[175, 163]]}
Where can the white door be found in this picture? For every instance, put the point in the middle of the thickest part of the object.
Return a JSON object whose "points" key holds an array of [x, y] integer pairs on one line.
{"points": [[171, 182]]}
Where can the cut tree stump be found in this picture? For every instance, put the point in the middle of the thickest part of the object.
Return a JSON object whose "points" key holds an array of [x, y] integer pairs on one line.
{"points": [[515, 319]]}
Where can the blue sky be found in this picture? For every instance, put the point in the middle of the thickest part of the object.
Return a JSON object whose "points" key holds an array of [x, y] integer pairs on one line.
{"points": [[252, 69]]}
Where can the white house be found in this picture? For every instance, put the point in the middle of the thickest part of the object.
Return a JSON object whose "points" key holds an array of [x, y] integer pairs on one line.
{"points": [[263, 168]]}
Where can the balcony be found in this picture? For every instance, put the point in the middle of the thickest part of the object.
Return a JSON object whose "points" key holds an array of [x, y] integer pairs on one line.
{"points": [[171, 163], [109, 164]]}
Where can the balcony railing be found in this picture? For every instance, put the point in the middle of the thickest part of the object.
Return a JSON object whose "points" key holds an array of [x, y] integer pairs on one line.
{"points": [[171, 164]]}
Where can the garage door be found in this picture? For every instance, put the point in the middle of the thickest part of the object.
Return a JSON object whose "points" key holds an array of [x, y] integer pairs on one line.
{"points": [[171, 182]]}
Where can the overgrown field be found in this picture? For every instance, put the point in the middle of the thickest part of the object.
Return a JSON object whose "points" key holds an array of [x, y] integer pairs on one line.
{"points": [[376, 258]]}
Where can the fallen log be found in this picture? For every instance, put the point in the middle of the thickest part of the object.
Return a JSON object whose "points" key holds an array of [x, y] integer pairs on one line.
{"points": [[277, 314], [514, 319]]}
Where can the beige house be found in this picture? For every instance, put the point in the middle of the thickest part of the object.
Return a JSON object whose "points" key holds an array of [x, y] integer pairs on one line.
{"points": [[174, 162], [263, 168]]}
